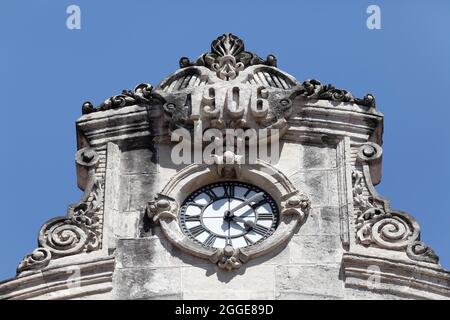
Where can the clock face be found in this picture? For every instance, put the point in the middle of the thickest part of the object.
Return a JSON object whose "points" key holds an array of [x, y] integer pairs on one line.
{"points": [[229, 213]]}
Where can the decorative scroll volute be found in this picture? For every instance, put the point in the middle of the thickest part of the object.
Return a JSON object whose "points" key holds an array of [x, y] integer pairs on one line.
{"points": [[80, 231], [377, 224]]}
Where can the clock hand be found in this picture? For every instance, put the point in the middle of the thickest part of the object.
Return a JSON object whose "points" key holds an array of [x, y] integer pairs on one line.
{"points": [[255, 198], [249, 224]]}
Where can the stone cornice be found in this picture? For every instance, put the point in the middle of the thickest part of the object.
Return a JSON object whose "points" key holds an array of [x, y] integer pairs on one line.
{"points": [[408, 280], [65, 280], [319, 117], [337, 119], [128, 123]]}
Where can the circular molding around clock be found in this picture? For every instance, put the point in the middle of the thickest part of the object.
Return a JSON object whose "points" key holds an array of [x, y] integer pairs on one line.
{"points": [[286, 207]]}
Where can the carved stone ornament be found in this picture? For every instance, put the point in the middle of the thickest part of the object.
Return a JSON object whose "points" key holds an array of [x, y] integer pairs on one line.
{"points": [[314, 89], [369, 151], [378, 225], [142, 94], [228, 165], [79, 231], [228, 88], [164, 209], [228, 57], [229, 258]]}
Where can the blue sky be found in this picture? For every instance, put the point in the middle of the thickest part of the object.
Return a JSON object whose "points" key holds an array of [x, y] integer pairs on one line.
{"points": [[47, 71]]}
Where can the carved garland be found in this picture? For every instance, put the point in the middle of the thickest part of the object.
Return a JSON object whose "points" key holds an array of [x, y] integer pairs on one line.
{"points": [[80, 231], [142, 94], [314, 89], [376, 223]]}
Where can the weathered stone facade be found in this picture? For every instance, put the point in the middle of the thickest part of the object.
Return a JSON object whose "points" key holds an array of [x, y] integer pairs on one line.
{"points": [[337, 238]]}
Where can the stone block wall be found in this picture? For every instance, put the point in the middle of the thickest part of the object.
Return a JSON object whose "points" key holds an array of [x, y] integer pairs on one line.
{"points": [[307, 267]]}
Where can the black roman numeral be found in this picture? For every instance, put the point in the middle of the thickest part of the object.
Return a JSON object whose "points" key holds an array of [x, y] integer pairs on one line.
{"points": [[211, 194], [192, 218], [265, 216], [210, 240], [260, 230], [195, 231], [229, 191], [259, 204], [248, 241], [201, 206]]}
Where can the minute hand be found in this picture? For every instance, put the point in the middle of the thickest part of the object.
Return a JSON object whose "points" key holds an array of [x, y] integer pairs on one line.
{"points": [[255, 198]]}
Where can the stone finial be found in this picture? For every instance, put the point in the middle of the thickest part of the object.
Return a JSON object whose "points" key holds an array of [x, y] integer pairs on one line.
{"points": [[228, 57]]}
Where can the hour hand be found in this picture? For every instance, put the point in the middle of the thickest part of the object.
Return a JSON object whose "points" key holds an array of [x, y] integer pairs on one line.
{"points": [[248, 224], [255, 198]]}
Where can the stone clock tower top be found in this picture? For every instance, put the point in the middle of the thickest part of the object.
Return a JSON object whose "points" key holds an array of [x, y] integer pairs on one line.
{"points": [[228, 170]]}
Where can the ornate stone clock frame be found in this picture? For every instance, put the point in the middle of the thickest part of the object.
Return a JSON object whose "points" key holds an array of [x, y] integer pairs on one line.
{"points": [[294, 206]]}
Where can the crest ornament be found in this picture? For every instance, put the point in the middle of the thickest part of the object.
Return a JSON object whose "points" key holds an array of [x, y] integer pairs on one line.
{"points": [[228, 57]]}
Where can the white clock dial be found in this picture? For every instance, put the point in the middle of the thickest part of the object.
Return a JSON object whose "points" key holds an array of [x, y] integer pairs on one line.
{"points": [[229, 213]]}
